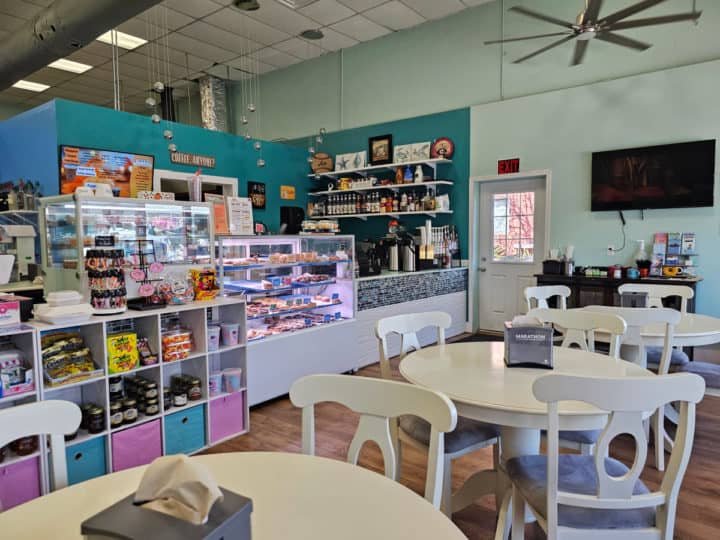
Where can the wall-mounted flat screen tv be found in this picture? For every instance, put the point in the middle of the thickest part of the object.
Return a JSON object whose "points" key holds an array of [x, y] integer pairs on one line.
{"points": [[668, 176], [126, 173]]}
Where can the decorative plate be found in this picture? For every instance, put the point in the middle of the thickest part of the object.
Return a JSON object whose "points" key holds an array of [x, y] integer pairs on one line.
{"points": [[443, 147]]}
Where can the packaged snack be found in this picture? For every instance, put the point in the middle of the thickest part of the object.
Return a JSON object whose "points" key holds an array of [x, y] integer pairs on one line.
{"points": [[122, 352], [204, 283], [147, 357]]}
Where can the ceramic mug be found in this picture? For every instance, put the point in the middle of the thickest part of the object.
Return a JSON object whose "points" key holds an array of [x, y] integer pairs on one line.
{"points": [[633, 273]]}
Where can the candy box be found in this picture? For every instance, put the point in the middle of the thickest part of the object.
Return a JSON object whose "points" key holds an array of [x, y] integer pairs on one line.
{"points": [[15, 376], [122, 352], [9, 312]]}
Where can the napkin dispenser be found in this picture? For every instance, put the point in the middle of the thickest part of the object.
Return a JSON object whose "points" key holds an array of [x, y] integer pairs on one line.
{"points": [[228, 518], [528, 346], [634, 299]]}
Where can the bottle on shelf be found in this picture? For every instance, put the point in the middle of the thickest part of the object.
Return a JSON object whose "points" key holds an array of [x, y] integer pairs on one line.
{"points": [[418, 177], [388, 204], [395, 203], [408, 175], [383, 204], [403, 202]]}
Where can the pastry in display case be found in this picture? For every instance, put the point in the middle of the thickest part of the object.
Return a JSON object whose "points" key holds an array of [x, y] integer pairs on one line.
{"points": [[292, 283], [152, 238]]}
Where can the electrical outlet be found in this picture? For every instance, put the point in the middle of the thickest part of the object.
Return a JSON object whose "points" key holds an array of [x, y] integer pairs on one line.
{"points": [[611, 250]]}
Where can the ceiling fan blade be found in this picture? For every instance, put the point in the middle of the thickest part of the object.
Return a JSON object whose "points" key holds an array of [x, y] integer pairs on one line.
{"points": [[617, 39], [630, 10], [508, 40], [580, 50], [653, 21], [593, 10], [541, 16], [546, 48]]}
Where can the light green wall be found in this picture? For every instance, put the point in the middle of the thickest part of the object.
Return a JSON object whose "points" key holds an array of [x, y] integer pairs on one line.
{"points": [[443, 65], [560, 130]]}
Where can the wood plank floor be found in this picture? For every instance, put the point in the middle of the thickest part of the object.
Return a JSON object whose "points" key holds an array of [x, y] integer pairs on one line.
{"points": [[275, 426]]}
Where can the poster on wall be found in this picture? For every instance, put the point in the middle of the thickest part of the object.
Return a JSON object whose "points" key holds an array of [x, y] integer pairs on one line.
{"points": [[240, 215], [287, 193], [219, 212], [256, 192], [127, 174]]}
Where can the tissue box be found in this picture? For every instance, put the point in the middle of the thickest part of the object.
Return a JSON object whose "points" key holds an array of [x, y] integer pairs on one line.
{"points": [[9, 311], [634, 299], [229, 518], [528, 346]]}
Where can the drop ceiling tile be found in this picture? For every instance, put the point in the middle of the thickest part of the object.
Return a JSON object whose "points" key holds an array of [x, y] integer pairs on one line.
{"points": [[220, 38], [300, 48], [361, 5], [360, 28], [199, 48], [472, 3], [19, 8], [81, 91], [175, 19], [249, 65], [395, 15], [51, 76], [176, 57], [334, 41], [327, 12], [8, 23], [142, 29], [238, 23], [19, 95], [222, 72], [99, 49], [87, 58], [276, 58], [283, 18], [195, 8], [44, 3], [432, 9]]}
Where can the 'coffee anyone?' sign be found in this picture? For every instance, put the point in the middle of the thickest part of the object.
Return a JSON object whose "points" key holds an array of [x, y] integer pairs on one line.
{"points": [[196, 160]]}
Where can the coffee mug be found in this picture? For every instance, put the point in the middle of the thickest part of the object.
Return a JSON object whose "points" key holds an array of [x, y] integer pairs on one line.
{"points": [[633, 273]]}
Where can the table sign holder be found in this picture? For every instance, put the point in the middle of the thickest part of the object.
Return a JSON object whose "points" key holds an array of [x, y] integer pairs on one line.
{"points": [[528, 345], [229, 518]]}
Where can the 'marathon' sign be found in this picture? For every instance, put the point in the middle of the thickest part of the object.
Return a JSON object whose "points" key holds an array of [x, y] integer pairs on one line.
{"points": [[183, 158]]}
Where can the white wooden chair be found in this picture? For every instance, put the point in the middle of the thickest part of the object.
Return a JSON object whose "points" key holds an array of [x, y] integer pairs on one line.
{"points": [[54, 418], [634, 350], [541, 294], [379, 402], [581, 497], [468, 436], [580, 327], [656, 295]]}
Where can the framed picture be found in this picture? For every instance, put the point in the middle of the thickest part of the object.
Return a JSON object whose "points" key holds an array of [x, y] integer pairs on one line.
{"points": [[380, 150], [421, 151], [347, 162], [403, 153], [256, 192]]}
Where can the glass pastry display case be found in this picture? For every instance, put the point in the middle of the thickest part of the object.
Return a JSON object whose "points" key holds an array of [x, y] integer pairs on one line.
{"points": [[292, 283], [180, 234]]}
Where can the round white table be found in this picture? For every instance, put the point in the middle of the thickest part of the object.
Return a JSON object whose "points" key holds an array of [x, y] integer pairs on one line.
{"points": [[294, 496], [693, 330], [474, 376]]}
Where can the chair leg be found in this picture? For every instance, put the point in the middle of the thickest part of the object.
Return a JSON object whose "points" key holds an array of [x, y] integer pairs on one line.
{"points": [[504, 517], [446, 503], [398, 465], [518, 515], [659, 429]]}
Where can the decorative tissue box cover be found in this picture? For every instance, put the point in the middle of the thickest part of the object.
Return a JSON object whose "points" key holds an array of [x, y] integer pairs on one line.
{"points": [[228, 519], [528, 346]]}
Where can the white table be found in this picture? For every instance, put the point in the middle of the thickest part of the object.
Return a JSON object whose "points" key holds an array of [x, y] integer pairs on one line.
{"points": [[294, 496], [474, 376], [693, 330]]}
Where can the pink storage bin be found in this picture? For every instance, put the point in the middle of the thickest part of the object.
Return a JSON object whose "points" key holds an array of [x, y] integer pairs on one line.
{"points": [[136, 446], [227, 416], [19, 483]]}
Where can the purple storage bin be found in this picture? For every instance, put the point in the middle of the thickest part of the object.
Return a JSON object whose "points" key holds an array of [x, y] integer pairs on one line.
{"points": [[227, 416], [19, 483], [136, 446]]}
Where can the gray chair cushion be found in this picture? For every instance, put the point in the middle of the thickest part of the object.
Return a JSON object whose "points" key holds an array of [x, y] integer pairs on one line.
{"points": [[467, 432], [576, 474], [708, 371], [589, 436], [654, 355]]}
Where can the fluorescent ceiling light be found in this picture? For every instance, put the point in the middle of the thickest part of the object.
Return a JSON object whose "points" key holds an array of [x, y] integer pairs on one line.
{"points": [[32, 86], [126, 41], [69, 65]]}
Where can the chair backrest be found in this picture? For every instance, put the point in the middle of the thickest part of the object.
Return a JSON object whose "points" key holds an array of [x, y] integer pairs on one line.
{"points": [[657, 293], [54, 418], [378, 401], [579, 327], [638, 318], [543, 293], [407, 326], [627, 399]]}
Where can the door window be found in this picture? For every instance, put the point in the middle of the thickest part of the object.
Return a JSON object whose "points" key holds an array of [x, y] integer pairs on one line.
{"points": [[514, 227]]}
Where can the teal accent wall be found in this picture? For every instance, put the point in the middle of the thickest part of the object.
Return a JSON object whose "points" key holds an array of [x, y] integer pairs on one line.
{"points": [[98, 127], [452, 124], [28, 146], [560, 130]]}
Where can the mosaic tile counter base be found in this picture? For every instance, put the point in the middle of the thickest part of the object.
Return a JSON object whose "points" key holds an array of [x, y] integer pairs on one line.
{"points": [[377, 293]]}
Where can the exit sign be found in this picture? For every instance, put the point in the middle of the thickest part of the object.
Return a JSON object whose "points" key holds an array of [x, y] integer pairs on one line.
{"points": [[508, 166]]}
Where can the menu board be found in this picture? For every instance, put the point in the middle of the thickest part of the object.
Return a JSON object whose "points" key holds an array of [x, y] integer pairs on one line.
{"points": [[127, 174]]}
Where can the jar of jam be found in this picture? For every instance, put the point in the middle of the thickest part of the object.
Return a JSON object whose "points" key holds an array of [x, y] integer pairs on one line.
{"points": [[84, 408], [130, 412], [96, 419], [179, 398], [115, 387], [24, 446], [152, 407], [150, 390], [194, 389], [116, 414], [167, 399], [71, 436]]}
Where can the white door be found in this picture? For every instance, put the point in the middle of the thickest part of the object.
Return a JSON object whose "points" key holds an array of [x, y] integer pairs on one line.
{"points": [[511, 237]]}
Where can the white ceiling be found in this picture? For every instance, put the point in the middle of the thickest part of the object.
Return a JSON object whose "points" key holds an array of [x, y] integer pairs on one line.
{"points": [[204, 33]]}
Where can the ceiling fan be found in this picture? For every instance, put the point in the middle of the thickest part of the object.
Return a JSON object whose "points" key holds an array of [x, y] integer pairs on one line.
{"points": [[589, 25]]}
